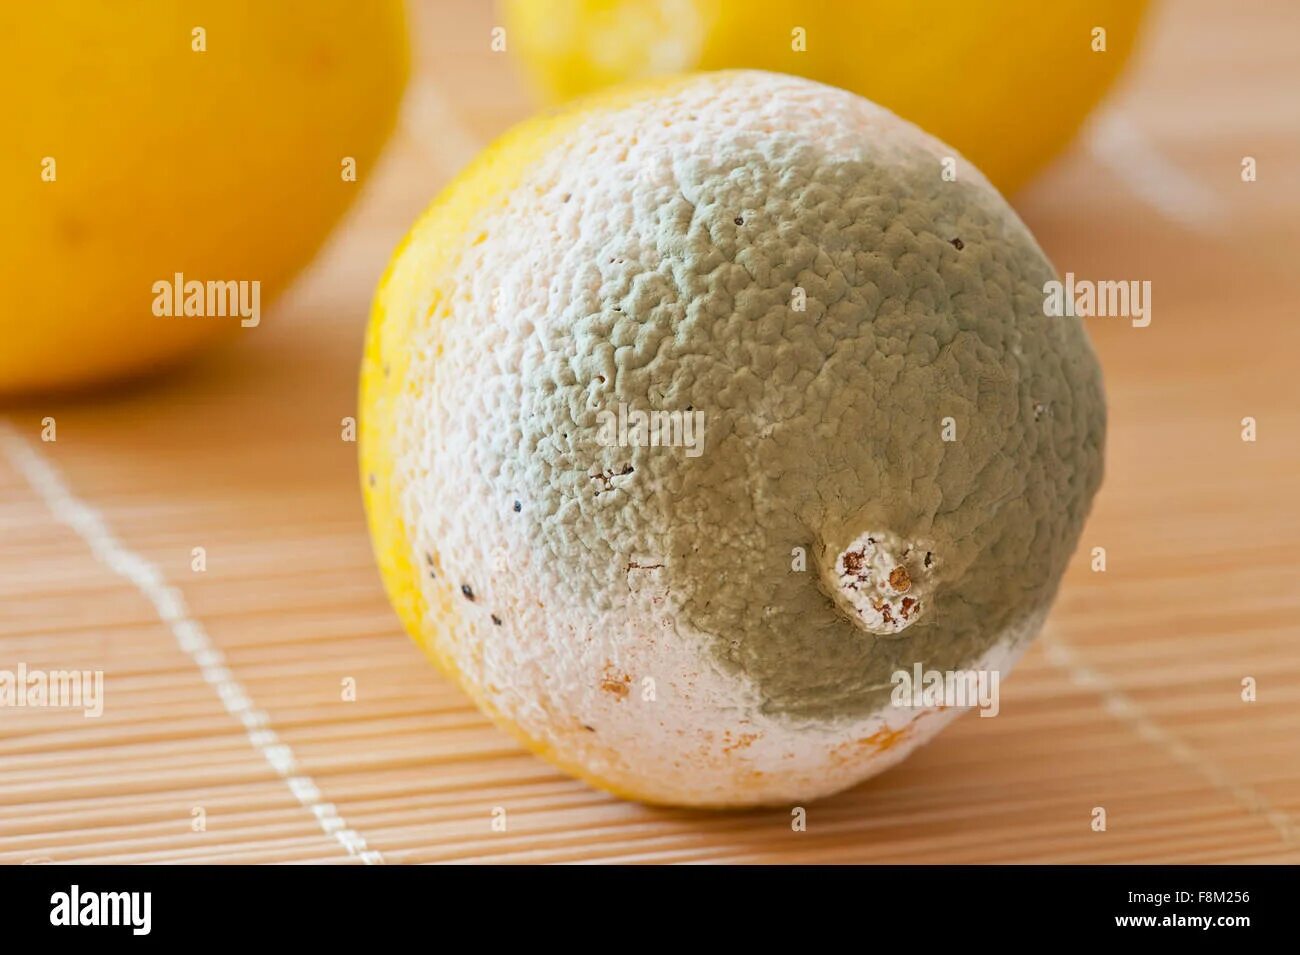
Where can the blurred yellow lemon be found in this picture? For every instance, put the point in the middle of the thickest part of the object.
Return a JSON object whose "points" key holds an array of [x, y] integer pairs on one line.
{"points": [[1007, 82], [174, 158]]}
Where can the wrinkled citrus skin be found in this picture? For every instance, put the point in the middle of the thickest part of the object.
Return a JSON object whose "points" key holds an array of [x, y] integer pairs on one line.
{"points": [[645, 247], [223, 165], [1006, 82]]}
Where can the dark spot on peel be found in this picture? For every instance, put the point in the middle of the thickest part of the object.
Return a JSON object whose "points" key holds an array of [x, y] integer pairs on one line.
{"points": [[467, 590], [957, 244], [496, 620]]}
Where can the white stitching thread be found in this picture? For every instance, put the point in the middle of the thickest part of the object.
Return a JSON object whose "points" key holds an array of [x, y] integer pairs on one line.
{"points": [[1121, 706], [189, 633]]}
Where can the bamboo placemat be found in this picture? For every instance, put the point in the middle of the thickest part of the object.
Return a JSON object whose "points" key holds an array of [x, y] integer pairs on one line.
{"points": [[226, 737]]}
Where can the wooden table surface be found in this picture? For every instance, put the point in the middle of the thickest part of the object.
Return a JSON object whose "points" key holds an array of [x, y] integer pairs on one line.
{"points": [[226, 738]]}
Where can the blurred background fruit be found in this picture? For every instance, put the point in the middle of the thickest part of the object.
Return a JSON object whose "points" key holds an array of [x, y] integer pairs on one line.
{"points": [[143, 140], [1007, 82]]}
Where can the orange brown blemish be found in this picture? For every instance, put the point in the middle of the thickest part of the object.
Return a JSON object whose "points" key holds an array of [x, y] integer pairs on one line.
{"points": [[617, 684], [884, 738], [743, 741]]}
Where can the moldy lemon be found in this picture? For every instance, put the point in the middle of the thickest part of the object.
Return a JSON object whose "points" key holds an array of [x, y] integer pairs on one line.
{"points": [[892, 449]]}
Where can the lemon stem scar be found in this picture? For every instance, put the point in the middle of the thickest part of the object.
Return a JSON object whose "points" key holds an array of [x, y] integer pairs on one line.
{"points": [[883, 583]]}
